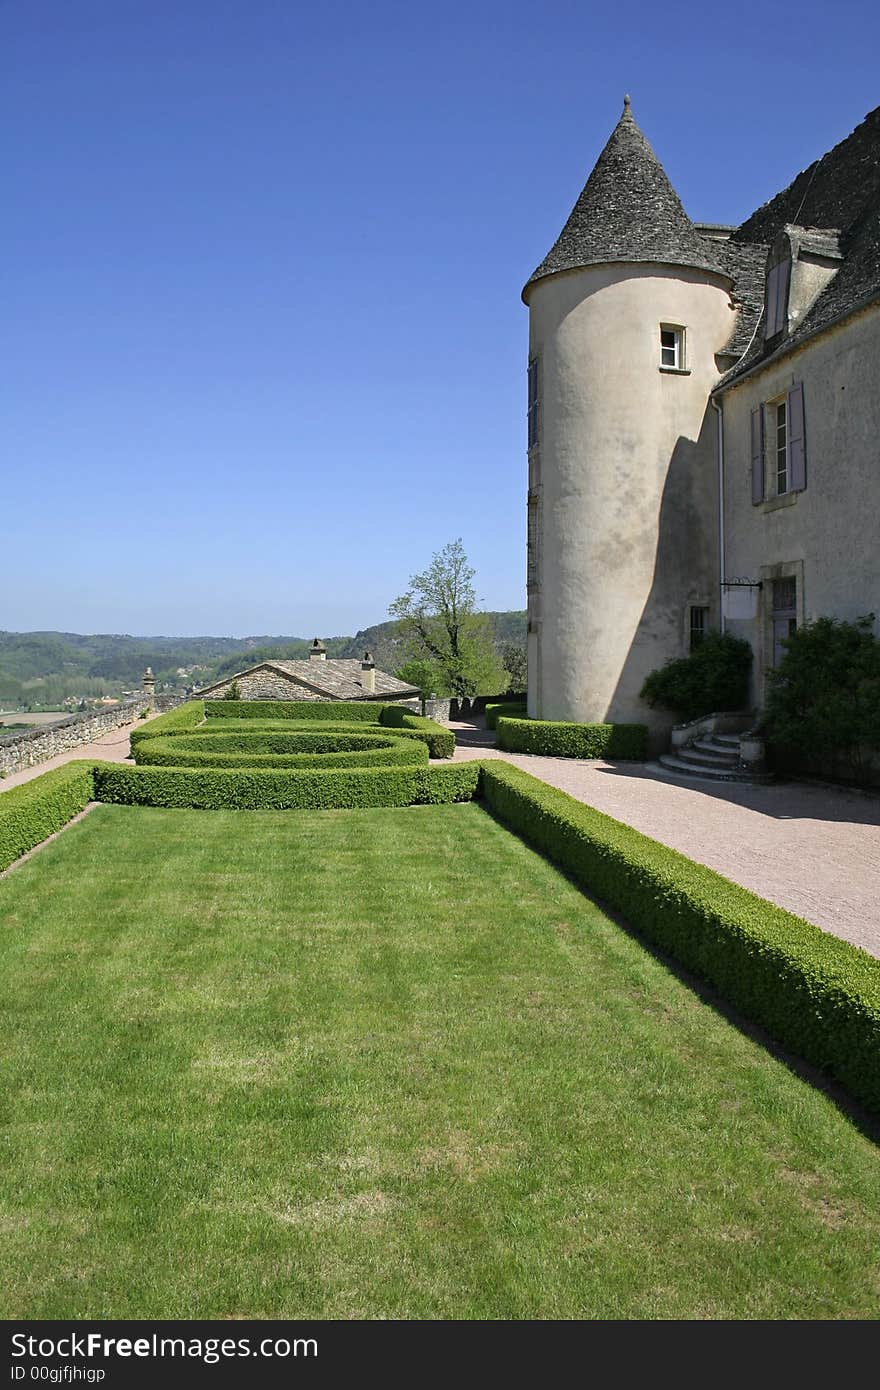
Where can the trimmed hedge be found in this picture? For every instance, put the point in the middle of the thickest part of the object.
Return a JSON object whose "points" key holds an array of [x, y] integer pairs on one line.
{"points": [[440, 741], [30, 813], [281, 750], [251, 789], [514, 709], [176, 721], [344, 711], [814, 993], [556, 739]]}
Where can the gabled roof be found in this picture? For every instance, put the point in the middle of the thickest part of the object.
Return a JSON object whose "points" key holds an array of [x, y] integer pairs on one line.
{"points": [[628, 211], [332, 679], [835, 204]]}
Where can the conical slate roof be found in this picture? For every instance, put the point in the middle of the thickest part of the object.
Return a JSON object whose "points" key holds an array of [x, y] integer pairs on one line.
{"points": [[628, 211]]}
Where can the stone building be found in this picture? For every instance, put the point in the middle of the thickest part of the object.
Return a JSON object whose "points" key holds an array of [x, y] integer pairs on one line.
{"points": [[703, 418], [315, 678]]}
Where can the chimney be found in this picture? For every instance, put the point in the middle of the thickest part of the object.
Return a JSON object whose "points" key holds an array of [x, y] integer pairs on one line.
{"points": [[368, 674], [149, 683], [317, 651]]}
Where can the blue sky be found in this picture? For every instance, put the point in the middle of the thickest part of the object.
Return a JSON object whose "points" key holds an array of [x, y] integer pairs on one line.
{"points": [[263, 345]]}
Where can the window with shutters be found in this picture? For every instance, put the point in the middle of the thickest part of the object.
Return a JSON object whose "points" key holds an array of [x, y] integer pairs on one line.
{"points": [[778, 439], [533, 403], [776, 298], [532, 544]]}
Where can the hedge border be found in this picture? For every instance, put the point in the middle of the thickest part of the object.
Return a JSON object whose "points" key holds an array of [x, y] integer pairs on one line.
{"points": [[811, 991], [32, 811], [380, 749], [259, 789], [559, 739], [515, 709], [440, 741], [177, 721]]}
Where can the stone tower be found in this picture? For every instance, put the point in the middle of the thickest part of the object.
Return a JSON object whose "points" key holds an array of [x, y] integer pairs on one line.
{"points": [[626, 314]]}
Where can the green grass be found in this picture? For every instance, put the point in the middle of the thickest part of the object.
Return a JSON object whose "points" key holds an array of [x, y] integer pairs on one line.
{"points": [[389, 1064]]}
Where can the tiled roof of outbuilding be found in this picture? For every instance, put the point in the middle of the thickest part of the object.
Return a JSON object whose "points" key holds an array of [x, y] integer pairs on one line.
{"points": [[333, 679], [628, 211]]}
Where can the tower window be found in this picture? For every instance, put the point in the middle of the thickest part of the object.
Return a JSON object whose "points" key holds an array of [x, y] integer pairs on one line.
{"points": [[671, 348], [699, 626], [781, 447], [533, 403]]}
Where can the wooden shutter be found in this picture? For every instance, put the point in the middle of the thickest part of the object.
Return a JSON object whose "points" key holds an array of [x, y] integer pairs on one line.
{"points": [[770, 323], [797, 454], [757, 455], [782, 295]]}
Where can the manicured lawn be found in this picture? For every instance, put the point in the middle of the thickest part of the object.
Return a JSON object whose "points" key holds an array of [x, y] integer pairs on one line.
{"points": [[387, 1064]]}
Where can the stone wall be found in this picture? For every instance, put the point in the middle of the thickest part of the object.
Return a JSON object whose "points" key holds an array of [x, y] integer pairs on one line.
{"points": [[48, 740], [261, 685]]}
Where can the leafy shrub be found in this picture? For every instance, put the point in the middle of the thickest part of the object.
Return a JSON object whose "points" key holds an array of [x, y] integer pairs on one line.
{"points": [[233, 693], [556, 739], [251, 789], [824, 697], [33, 811], [285, 749], [813, 992], [714, 677], [508, 709]]}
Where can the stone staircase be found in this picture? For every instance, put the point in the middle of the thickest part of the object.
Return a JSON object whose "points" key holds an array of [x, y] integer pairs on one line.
{"points": [[716, 757]]}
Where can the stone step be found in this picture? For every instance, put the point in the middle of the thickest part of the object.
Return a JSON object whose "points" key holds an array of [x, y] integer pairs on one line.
{"points": [[671, 762], [725, 740], [705, 751]]}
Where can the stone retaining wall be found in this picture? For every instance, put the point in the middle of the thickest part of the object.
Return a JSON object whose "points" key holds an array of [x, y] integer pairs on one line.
{"points": [[71, 731]]}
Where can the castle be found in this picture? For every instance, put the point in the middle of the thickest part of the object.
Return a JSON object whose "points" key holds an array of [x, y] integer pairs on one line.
{"points": [[703, 425]]}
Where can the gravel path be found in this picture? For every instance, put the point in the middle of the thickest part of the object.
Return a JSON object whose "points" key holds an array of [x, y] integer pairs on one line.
{"points": [[811, 849]]}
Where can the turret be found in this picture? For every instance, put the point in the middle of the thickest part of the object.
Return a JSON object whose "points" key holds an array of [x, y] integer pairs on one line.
{"points": [[626, 314]]}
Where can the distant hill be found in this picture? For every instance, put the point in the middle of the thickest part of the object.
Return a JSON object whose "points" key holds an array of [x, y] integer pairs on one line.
{"points": [[46, 668]]}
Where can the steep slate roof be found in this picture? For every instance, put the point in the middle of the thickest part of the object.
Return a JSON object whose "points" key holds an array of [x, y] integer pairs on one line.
{"points": [[838, 200], [332, 679], [628, 211]]}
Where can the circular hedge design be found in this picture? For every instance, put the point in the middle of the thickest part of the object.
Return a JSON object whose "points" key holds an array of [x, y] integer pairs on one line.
{"points": [[287, 748]]}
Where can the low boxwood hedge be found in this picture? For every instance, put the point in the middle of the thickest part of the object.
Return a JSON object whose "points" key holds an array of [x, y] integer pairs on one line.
{"points": [[811, 991], [513, 709], [440, 741], [33, 811], [262, 749], [561, 740], [259, 789], [344, 711], [177, 721]]}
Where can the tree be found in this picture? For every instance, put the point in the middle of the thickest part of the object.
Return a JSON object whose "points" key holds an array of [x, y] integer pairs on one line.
{"points": [[516, 665], [441, 626]]}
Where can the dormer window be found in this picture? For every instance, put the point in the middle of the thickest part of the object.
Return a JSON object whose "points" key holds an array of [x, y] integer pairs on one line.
{"points": [[778, 278], [671, 348]]}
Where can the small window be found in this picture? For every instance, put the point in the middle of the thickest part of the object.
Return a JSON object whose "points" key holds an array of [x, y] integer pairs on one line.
{"points": [[780, 445], [672, 348], [533, 403], [699, 626]]}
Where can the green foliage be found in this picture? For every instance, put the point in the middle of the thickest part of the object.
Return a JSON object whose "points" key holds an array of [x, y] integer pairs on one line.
{"points": [[824, 697], [252, 789], [714, 677], [560, 740], [341, 711], [426, 676], [508, 709], [178, 720], [33, 811], [441, 625], [234, 692], [282, 750], [440, 741], [516, 664], [812, 992]]}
